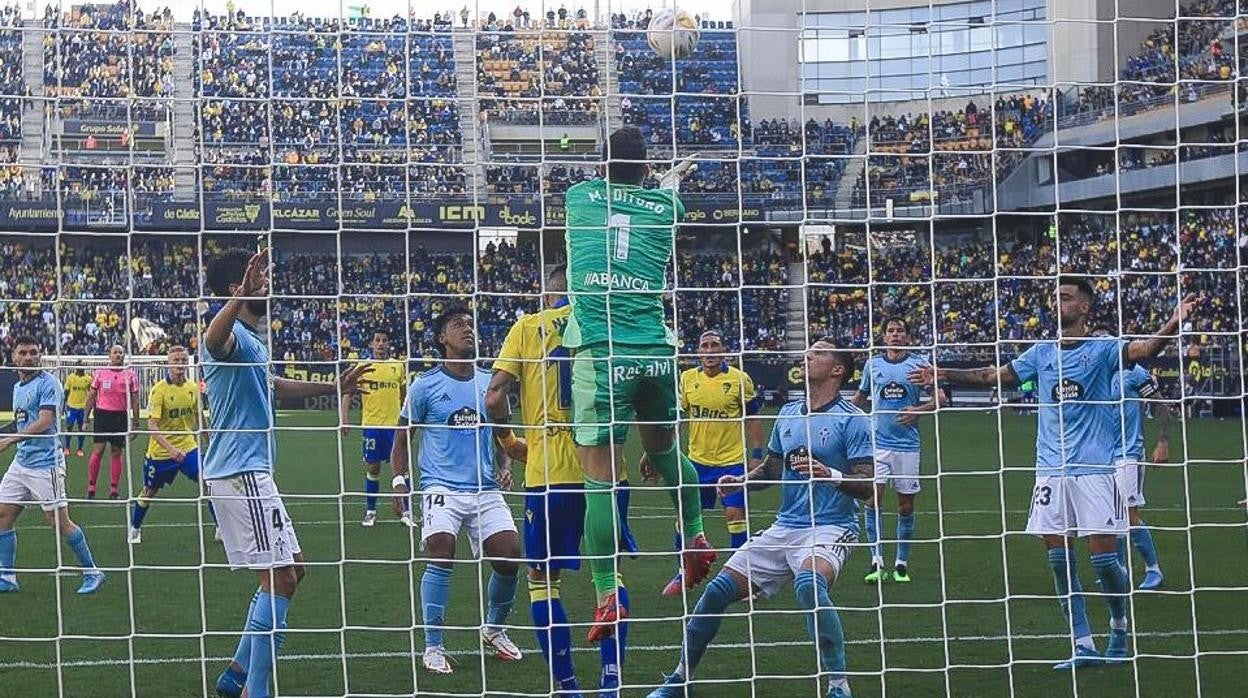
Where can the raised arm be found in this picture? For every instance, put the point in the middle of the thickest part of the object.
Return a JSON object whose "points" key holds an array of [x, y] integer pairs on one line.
{"points": [[219, 335], [1142, 349]]}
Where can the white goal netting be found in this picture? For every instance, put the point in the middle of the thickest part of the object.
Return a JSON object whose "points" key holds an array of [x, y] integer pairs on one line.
{"points": [[941, 162]]}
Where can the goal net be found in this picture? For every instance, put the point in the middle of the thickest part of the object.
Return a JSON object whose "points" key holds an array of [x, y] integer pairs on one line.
{"points": [[938, 162]]}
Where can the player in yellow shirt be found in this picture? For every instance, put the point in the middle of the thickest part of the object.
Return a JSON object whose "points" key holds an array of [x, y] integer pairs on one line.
{"points": [[717, 400], [533, 356], [381, 397], [77, 385], [174, 417]]}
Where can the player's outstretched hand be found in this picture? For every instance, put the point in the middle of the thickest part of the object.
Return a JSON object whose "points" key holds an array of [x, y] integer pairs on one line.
{"points": [[1161, 452], [910, 415], [648, 471], [813, 469], [349, 381], [673, 177], [1183, 310], [256, 277], [922, 375], [729, 484]]}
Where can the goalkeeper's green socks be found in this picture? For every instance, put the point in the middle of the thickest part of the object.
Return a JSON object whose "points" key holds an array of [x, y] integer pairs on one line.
{"points": [[601, 535], [676, 470]]}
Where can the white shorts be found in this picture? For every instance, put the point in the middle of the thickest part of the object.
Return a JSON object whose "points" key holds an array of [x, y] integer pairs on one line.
{"points": [[1079, 505], [771, 559], [899, 469], [479, 514], [1131, 482], [27, 486], [255, 528]]}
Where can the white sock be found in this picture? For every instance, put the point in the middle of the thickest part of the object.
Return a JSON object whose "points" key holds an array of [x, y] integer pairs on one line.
{"points": [[1118, 623], [1153, 568], [878, 561], [1085, 642]]}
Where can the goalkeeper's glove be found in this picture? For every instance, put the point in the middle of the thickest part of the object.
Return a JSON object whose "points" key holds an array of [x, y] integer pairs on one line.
{"points": [[672, 178]]}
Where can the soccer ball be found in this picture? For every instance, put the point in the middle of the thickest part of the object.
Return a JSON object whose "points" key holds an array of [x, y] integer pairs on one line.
{"points": [[672, 34]]}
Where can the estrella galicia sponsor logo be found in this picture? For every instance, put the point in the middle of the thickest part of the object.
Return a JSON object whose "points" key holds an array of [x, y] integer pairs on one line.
{"points": [[1066, 391], [794, 455], [893, 391], [463, 417]]}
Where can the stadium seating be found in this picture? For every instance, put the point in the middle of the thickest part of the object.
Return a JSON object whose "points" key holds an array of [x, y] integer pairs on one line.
{"points": [[109, 61], [520, 74]]}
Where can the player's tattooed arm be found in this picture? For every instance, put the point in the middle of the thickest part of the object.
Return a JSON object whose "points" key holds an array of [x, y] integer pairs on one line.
{"points": [[1161, 450], [987, 376], [1147, 348], [766, 474], [860, 482]]}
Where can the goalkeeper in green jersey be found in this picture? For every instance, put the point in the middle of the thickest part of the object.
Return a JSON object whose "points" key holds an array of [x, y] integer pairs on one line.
{"points": [[620, 239]]}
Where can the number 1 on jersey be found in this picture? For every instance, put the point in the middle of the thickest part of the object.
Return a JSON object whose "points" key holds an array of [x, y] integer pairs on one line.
{"points": [[621, 223]]}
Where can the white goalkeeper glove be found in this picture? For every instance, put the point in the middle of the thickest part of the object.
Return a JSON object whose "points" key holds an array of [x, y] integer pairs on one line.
{"points": [[672, 178]]}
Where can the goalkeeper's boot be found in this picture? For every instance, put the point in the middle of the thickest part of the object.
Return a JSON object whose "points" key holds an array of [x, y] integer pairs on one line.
{"points": [[674, 686], [606, 615], [8, 586], [91, 582], [497, 640], [1153, 579], [370, 518], [230, 683], [437, 660], [876, 575], [1084, 657], [1119, 649], [901, 574]]}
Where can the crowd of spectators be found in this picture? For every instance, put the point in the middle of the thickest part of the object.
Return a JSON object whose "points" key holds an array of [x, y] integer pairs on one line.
{"points": [[117, 58], [14, 92], [1180, 59], [526, 75]]}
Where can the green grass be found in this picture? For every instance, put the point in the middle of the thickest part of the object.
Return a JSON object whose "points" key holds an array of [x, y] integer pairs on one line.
{"points": [[977, 620]]}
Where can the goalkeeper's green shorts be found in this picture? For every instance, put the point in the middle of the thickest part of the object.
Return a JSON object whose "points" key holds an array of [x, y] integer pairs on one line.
{"points": [[613, 389]]}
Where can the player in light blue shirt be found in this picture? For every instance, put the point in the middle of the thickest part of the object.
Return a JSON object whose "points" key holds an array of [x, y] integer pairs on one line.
{"points": [[1137, 385], [238, 464], [896, 405], [1076, 492], [820, 451], [37, 473], [460, 477]]}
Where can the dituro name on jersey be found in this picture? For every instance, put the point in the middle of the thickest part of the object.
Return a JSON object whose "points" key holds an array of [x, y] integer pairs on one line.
{"points": [[624, 196], [616, 280]]}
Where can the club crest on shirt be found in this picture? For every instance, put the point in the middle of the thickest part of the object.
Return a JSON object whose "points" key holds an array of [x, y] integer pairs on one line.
{"points": [[1067, 391], [463, 417], [824, 433]]}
